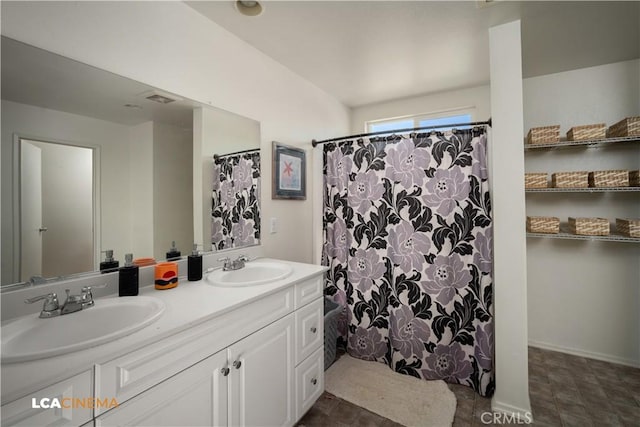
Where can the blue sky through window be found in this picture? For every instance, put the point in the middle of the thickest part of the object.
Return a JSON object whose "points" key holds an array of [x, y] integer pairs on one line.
{"points": [[391, 126]]}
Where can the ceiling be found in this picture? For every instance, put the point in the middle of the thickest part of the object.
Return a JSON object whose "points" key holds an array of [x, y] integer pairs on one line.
{"points": [[364, 52], [37, 77]]}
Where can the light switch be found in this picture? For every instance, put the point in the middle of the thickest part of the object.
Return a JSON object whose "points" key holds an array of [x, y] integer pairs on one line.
{"points": [[274, 225]]}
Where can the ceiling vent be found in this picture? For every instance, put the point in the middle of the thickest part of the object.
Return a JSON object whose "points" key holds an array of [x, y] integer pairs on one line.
{"points": [[160, 97]]}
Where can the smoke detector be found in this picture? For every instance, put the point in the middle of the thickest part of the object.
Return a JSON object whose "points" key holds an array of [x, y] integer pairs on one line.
{"points": [[160, 97]]}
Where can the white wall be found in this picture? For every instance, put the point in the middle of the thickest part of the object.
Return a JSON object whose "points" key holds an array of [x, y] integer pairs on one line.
{"points": [[476, 98], [584, 297], [217, 132], [172, 189], [112, 141], [139, 189], [170, 46], [509, 265]]}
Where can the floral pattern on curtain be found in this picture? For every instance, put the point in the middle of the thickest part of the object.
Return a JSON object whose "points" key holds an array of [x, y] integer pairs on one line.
{"points": [[236, 201], [408, 240]]}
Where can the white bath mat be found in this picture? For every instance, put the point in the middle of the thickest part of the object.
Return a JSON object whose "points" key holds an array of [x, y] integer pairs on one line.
{"points": [[401, 398]]}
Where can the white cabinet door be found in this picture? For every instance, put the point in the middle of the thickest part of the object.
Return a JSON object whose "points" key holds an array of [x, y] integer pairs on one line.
{"points": [[261, 378], [73, 395], [194, 397]]}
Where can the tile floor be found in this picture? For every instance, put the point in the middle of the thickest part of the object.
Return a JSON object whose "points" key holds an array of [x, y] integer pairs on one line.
{"points": [[565, 391]]}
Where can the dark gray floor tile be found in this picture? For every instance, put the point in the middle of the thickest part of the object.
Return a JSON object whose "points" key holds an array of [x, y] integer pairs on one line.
{"points": [[368, 419], [571, 420], [462, 392], [346, 412]]}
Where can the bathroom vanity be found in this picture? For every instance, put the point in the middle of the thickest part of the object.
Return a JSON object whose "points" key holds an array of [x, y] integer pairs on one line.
{"points": [[217, 355]]}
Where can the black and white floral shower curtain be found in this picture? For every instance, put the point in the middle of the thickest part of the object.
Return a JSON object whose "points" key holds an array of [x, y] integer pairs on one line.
{"points": [[236, 201], [408, 239]]}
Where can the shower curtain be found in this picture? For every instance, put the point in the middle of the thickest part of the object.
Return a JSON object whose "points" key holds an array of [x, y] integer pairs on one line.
{"points": [[235, 210], [408, 242]]}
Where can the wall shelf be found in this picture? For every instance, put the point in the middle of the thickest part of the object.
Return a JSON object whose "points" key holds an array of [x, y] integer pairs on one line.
{"points": [[584, 190], [586, 144], [568, 236]]}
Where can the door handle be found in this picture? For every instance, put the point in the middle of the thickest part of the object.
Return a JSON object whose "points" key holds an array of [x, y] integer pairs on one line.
{"points": [[42, 229], [237, 364], [225, 371]]}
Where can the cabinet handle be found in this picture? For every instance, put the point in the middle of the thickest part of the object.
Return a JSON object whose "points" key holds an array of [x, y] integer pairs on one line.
{"points": [[313, 329], [314, 381], [237, 364], [225, 371]]}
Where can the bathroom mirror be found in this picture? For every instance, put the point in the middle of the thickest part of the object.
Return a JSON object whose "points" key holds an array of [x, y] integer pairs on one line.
{"points": [[138, 146]]}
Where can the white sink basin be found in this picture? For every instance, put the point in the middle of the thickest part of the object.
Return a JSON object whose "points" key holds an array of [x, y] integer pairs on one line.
{"points": [[258, 272], [30, 338]]}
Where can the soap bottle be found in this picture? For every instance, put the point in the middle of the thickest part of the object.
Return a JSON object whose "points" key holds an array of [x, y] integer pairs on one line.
{"points": [[128, 278], [194, 265], [174, 253], [109, 264]]}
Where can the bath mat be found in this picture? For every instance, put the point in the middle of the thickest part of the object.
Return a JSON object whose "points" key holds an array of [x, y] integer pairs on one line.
{"points": [[401, 398]]}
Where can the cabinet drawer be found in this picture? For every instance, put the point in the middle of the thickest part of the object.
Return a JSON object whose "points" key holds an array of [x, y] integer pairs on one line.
{"points": [[309, 382], [309, 290], [309, 329], [129, 375], [21, 412]]}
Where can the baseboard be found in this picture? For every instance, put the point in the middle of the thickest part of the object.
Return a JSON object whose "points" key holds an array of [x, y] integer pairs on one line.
{"points": [[587, 354], [515, 415]]}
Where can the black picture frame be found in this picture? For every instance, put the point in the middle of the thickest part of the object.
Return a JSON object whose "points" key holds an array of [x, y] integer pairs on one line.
{"points": [[289, 172]]}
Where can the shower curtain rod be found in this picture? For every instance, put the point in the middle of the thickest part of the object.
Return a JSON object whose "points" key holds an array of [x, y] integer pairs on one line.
{"points": [[218, 157], [486, 122]]}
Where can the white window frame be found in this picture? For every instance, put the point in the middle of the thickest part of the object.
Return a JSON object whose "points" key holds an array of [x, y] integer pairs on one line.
{"points": [[417, 118]]}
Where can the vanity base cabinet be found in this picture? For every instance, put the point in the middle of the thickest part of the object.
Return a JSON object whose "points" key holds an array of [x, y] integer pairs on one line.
{"points": [[194, 397], [257, 389]]}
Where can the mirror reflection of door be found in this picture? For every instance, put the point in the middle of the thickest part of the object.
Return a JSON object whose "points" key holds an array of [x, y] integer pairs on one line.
{"points": [[56, 209]]}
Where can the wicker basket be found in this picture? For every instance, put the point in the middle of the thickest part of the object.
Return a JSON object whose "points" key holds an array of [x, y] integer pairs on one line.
{"points": [[628, 227], [634, 178], [617, 178], [589, 226], [544, 135], [570, 179], [587, 132], [536, 180], [625, 127], [543, 224]]}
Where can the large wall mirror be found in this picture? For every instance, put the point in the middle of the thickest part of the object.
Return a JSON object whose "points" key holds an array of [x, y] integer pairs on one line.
{"points": [[92, 161]]}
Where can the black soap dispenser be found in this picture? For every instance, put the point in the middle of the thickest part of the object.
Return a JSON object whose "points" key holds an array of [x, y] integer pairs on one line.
{"points": [[174, 253], [128, 278], [109, 264], [194, 265]]}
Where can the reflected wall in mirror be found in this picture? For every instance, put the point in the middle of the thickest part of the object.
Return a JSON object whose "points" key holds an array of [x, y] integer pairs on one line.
{"points": [[152, 161]]}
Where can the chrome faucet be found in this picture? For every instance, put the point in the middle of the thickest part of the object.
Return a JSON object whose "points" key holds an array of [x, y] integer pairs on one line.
{"points": [[237, 264], [73, 303]]}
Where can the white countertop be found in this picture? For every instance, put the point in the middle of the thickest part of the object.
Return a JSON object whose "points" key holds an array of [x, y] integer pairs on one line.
{"points": [[187, 305]]}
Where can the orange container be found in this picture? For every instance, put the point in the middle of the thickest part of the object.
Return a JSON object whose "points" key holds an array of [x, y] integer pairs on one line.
{"points": [[166, 276]]}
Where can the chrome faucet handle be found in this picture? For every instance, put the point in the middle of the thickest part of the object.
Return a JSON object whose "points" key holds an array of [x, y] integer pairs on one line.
{"points": [[86, 298], [50, 307], [226, 263], [243, 258]]}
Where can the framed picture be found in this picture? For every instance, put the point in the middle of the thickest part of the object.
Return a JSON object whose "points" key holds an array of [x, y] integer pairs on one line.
{"points": [[289, 171]]}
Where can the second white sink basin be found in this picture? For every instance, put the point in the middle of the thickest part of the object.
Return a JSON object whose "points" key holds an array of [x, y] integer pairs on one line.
{"points": [[257, 272], [31, 338]]}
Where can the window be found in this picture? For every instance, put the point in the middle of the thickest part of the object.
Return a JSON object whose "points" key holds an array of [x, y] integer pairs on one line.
{"points": [[424, 120]]}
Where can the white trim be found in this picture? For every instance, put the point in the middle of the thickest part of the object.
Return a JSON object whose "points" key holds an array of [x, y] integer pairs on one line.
{"points": [[584, 353], [521, 413]]}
